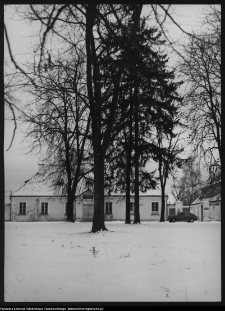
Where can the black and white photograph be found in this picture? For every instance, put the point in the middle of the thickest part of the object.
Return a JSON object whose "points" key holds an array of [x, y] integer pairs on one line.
{"points": [[112, 153]]}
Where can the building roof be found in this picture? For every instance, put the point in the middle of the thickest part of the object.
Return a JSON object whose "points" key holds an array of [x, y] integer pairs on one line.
{"points": [[210, 192], [216, 198], [40, 185], [210, 199], [36, 186]]}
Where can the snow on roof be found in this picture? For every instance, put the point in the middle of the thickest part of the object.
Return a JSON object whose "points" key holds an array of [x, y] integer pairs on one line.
{"points": [[215, 198], [39, 185], [210, 199], [36, 186], [196, 201]]}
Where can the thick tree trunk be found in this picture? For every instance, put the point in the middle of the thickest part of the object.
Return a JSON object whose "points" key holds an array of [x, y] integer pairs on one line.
{"points": [[162, 204], [95, 110], [70, 210], [98, 218], [129, 151], [127, 219], [137, 207], [100, 144], [69, 202], [136, 188]]}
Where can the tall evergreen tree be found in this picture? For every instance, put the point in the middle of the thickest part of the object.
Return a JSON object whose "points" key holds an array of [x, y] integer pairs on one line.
{"points": [[98, 26], [150, 94]]}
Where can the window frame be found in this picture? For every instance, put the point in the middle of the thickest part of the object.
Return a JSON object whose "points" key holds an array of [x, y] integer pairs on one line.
{"points": [[153, 207], [44, 202], [22, 208], [108, 208]]}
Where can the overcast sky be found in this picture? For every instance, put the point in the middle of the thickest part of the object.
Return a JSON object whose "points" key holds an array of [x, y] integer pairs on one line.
{"points": [[19, 166]]}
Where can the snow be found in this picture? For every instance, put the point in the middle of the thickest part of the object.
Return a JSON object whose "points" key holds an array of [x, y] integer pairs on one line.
{"points": [[210, 199], [162, 262], [36, 186]]}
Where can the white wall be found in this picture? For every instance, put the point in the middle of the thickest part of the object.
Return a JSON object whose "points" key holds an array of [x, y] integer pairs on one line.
{"points": [[119, 207], [177, 205], [215, 212], [210, 212], [56, 209], [78, 209]]}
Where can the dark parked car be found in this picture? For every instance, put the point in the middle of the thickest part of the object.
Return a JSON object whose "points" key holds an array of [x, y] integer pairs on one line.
{"points": [[189, 217]]}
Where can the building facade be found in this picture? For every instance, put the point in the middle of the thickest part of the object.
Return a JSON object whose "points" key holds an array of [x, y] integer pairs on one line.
{"points": [[50, 208], [208, 206], [173, 209], [35, 201], [207, 209]]}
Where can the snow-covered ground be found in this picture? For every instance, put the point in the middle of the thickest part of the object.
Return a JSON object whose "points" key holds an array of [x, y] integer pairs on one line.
{"points": [[60, 261]]}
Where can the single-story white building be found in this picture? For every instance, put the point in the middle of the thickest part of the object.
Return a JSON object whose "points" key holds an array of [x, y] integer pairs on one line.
{"points": [[35, 201], [208, 206]]}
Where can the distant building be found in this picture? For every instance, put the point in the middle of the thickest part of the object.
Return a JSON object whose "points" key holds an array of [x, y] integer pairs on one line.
{"points": [[208, 205], [36, 201], [173, 209]]}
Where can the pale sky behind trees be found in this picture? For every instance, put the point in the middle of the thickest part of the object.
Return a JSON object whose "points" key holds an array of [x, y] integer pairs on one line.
{"points": [[19, 166]]}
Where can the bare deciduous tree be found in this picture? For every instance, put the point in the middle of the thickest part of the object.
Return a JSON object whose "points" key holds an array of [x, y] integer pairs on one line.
{"points": [[59, 123], [187, 187], [201, 70]]}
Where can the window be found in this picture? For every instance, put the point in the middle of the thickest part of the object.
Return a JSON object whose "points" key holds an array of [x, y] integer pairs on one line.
{"points": [[132, 207], [108, 208], [44, 208], [155, 207], [22, 208]]}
